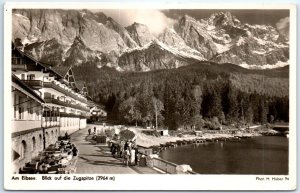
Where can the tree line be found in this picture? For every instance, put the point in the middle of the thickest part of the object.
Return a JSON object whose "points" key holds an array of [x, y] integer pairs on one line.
{"points": [[192, 97]]}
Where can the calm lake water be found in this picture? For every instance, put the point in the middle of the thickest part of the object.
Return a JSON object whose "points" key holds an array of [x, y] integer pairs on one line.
{"points": [[257, 155]]}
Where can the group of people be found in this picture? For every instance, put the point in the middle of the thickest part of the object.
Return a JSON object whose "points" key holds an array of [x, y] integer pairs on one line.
{"points": [[51, 162], [126, 150], [90, 130]]}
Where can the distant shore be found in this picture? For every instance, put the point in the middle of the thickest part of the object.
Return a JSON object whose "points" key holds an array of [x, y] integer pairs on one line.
{"points": [[150, 140]]}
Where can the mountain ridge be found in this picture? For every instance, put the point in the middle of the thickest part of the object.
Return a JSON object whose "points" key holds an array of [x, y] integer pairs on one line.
{"points": [[50, 36]]}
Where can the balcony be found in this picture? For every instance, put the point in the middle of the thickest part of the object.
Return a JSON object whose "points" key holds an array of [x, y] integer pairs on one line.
{"points": [[22, 67], [50, 122], [23, 125], [34, 83], [65, 104], [64, 91]]}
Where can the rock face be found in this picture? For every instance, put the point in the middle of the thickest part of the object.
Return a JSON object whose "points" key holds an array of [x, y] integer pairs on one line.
{"points": [[195, 36], [154, 55], [80, 37], [140, 34]]}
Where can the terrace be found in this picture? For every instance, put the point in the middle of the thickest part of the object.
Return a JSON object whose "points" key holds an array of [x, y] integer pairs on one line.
{"points": [[62, 103]]}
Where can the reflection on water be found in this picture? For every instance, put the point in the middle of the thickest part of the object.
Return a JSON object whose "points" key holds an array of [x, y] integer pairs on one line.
{"points": [[258, 155]]}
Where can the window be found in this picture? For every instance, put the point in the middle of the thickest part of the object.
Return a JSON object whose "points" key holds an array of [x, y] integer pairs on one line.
{"points": [[15, 112], [21, 113], [41, 140], [31, 77], [23, 149], [18, 60], [33, 144], [22, 76], [37, 112], [29, 115]]}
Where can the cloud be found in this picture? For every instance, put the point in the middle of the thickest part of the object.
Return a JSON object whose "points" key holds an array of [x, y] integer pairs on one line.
{"points": [[283, 23], [156, 20], [283, 26]]}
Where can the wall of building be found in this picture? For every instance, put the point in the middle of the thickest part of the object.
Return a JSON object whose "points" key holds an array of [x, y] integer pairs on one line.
{"points": [[82, 123], [33, 144], [70, 125], [38, 75]]}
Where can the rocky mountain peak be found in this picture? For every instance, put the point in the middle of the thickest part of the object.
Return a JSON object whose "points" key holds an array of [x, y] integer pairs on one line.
{"points": [[186, 19], [223, 19], [140, 33]]}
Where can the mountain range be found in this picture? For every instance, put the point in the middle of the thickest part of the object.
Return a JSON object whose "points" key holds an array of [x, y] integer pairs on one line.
{"points": [[85, 38]]}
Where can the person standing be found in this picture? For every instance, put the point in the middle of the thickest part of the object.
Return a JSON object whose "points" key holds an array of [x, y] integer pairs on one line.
{"points": [[136, 155], [126, 156], [132, 156], [95, 130], [89, 131]]}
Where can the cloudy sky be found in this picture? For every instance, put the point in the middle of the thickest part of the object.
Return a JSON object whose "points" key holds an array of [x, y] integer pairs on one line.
{"points": [[157, 20]]}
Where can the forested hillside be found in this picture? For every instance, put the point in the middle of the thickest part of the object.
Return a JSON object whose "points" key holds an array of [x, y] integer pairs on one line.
{"points": [[199, 95]]}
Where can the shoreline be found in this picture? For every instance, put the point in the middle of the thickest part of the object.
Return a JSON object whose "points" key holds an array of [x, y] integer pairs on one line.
{"points": [[171, 141], [150, 141]]}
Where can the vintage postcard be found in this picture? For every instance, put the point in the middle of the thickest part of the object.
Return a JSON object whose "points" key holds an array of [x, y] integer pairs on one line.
{"points": [[120, 96]]}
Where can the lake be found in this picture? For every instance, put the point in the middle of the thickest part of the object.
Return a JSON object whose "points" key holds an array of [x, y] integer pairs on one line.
{"points": [[257, 155]]}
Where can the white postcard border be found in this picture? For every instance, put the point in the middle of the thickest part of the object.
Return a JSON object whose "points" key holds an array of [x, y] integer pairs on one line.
{"points": [[149, 182]]}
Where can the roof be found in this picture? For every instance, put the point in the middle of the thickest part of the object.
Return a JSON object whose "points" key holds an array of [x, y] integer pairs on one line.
{"points": [[16, 80], [80, 84], [61, 70], [47, 66]]}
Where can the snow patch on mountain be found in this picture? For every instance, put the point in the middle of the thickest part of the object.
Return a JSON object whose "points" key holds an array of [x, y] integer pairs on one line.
{"points": [[260, 52], [22, 16], [260, 41], [222, 48], [279, 64], [240, 41]]}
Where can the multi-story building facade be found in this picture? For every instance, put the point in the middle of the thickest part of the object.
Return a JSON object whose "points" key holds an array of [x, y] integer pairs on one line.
{"points": [[65, 105], [27, 133]]}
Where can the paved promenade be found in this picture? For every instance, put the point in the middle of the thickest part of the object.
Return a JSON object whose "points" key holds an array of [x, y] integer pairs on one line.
{"points": [[97, 159]]}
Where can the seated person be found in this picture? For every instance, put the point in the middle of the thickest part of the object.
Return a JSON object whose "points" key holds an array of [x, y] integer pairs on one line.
{"points": [[43, 168], [64, 161], [62, 143], [53, 161], [69, 157], [75, 151], [69, 145], [67, 135]]}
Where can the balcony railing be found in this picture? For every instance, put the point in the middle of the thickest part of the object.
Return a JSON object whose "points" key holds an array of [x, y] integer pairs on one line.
{"points": [[34, 83], [19, 67], [62, 103], [64, 91], [50, 121]]}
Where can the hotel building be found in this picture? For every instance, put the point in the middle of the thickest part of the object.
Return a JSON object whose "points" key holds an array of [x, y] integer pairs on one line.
{"points": [[47, 103]]}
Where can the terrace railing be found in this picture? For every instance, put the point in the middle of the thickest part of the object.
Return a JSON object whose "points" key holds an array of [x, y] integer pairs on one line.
{"points": [[64, 91], [34, 83], [164, 165], [65, 104]]}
